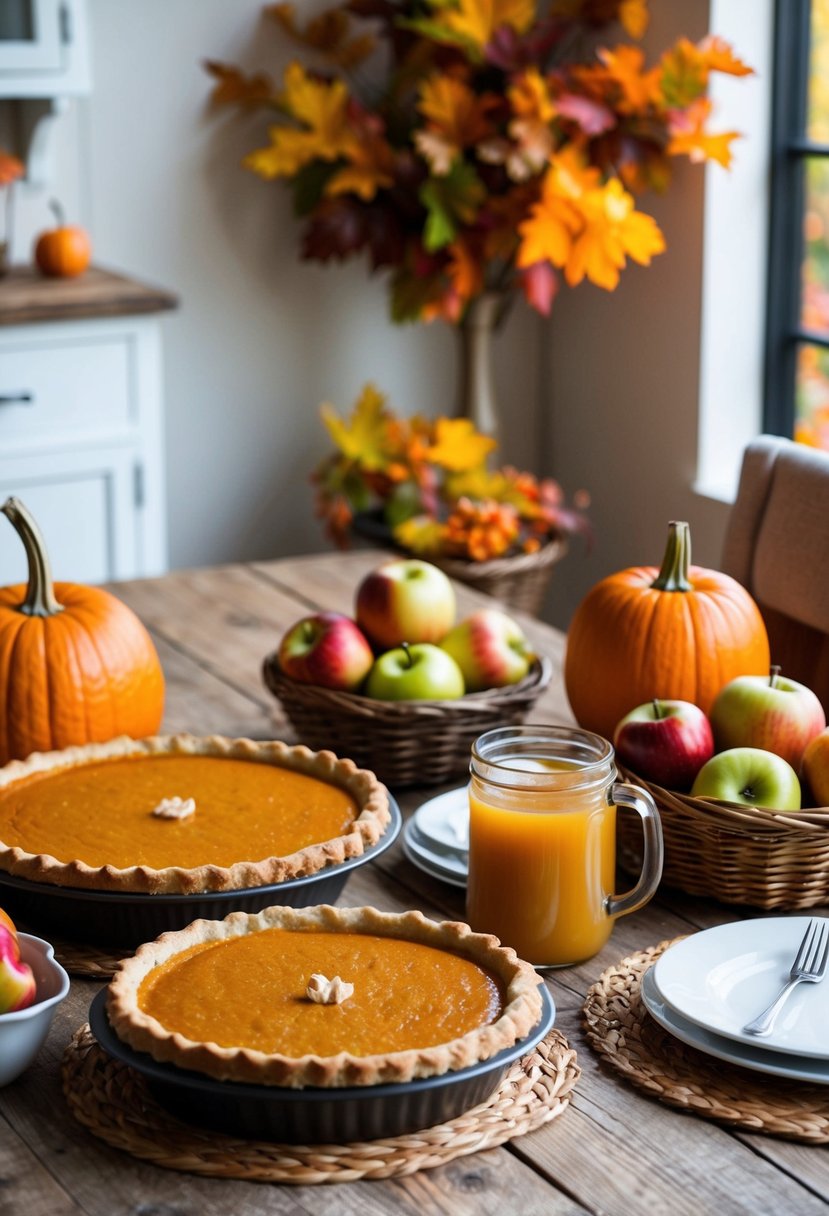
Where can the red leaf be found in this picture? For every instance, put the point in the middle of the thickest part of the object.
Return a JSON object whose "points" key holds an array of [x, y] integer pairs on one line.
{"points": [[540, 285], [591, 116]]}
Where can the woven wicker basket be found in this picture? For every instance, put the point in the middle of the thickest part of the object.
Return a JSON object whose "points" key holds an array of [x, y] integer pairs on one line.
{"points": [[403, 742], [519, 582], [739, 855]]}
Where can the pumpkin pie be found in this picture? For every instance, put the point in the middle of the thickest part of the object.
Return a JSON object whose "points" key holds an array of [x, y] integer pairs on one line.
{"points": [[183, 814], [323, 996]]}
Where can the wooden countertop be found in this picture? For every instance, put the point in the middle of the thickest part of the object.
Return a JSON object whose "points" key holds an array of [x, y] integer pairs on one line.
{"points": [[613, 1152], [26, 296]]}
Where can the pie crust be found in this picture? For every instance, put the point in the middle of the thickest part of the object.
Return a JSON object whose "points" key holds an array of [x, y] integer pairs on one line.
{"points": [[372, 818], [517, 981]]}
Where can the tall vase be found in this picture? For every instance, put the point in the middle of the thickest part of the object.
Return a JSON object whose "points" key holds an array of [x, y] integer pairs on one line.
{"points": [[476, 387]]}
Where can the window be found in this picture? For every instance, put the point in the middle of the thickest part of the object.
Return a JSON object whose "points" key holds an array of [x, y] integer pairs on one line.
{"points": [[797, 327]]}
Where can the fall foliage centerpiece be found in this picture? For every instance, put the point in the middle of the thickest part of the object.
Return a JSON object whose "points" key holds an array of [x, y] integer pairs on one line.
{"points": [[429, 485], [476, 148]]}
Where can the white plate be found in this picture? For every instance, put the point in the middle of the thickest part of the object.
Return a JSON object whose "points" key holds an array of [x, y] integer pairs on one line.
{"points": [[722, 978], [444, 820], [441, 866], [777, 1063]]}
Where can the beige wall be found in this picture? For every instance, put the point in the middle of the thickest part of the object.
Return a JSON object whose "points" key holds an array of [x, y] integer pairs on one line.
{"points": [[604, 396]]}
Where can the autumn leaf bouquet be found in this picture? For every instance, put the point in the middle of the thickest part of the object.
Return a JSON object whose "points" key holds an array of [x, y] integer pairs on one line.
{"points": [[469, 146], [430, 482]]}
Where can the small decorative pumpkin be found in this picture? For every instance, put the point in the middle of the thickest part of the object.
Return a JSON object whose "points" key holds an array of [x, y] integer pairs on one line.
{"points": [[76, 664], [64, 251], [679, 633]]}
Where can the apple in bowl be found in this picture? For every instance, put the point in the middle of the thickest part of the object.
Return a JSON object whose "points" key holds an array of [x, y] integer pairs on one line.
{"points": [[816, 768], [490, 648], [405, 600], [772, 713], [328, 649], [749, 776], [421, 672], [666, 742]]}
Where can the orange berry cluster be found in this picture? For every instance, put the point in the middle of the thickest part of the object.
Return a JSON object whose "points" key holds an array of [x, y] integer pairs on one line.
{"points": [[480, 530]]}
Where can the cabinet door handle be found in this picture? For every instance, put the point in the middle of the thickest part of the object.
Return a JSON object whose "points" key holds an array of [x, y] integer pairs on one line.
{"points": [[17, 398]]}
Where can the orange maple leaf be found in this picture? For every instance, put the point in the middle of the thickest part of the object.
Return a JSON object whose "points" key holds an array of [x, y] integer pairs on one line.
{"points": [[690, 138], [719, 57], [547, 234], [612, 231], [457, 117], [10, 168], [235, 88], [639, 89], [465, 270]]}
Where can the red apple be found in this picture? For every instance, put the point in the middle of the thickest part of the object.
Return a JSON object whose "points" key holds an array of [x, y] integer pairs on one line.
{"points": [[405, 600], [816, 768], [490, 648], [666, 742], [328, 649], [772, 713], [17, 983], [422, 672]]}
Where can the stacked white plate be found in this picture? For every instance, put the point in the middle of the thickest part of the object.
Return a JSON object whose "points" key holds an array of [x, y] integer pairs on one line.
{"points": [[706, 988], [436, 837]]}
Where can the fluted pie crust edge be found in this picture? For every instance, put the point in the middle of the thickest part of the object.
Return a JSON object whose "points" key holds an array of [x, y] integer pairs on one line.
{"points": [[369, 793], [521, 1010]]}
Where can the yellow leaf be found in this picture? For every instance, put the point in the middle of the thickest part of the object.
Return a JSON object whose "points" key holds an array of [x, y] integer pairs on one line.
{"points": [[322, 106], [364, 436], [421, 534], [478, 20], [458, 446], [455, 111], [634, 17]]}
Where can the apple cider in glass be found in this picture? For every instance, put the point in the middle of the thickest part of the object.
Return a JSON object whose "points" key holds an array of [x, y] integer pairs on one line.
{"points": [[542, 842]]}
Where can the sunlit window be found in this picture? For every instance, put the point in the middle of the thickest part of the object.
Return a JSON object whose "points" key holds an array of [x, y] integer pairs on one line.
{"points": [[797, 396]]}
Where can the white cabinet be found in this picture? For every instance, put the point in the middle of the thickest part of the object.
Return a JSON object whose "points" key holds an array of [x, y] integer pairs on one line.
{"points": [[43, 48], [81, 443]]}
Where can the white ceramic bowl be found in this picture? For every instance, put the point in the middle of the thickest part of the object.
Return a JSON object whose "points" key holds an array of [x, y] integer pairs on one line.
{"points": [[23, 1033]]}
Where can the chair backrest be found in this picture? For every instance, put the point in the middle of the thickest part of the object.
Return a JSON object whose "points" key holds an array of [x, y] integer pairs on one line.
{"points": [[777, 546]]}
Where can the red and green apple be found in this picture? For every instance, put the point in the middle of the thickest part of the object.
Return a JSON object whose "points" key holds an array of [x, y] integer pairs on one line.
{"points": [[490, 648], [328, 649], [771, 712], [816, 768], [17, 982], [405, 600]]}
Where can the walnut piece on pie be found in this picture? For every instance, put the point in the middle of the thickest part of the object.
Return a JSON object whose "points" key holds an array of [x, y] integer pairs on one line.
{"points": [[430, 997], [323, 991]]}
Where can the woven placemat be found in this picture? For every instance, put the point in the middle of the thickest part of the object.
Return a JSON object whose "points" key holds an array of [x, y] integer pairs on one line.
{"points": [[636, 1046], [113, 1102], [89, 962]]}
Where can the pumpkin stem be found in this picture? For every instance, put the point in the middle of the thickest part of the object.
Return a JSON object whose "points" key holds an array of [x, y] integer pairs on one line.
{"points": [[673, 575], [57, 212], [40, 593]]}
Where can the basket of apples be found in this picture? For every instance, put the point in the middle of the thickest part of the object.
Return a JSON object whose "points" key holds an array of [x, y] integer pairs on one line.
{"points": [[743, 791], [403, 687]]}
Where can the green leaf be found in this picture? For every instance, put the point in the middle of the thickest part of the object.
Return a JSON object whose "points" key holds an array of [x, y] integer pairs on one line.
{"points": [[450, 201], [309, 184]]}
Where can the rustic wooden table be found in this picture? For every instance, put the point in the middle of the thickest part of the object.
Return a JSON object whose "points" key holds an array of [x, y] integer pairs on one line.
{"points": [[613, 1151]]}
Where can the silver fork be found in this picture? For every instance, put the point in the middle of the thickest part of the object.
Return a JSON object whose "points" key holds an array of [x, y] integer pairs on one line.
{"points": [[808, 967]]}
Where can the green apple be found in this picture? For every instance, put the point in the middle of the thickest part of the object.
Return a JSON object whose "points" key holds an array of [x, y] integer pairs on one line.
{"points": [[422, 672], [750, 777]]}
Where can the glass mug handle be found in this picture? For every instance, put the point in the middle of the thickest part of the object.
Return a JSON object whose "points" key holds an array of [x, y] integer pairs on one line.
{"points": [[639, 800]]}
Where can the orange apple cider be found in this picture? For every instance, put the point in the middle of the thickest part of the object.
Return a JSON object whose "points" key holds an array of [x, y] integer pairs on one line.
{"points": [[542, 842]]}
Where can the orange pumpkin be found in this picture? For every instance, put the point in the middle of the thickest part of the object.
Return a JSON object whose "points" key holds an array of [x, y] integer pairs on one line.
{"points": [[64, 251], [681, 632], [76, 664]]}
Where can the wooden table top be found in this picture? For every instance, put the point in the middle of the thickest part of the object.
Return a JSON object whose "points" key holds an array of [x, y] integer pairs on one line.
{"points": [[27, 296], [613, 1150]]}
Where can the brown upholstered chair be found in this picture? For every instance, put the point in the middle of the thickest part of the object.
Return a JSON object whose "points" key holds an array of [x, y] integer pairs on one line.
{"points": [[777, 545]]}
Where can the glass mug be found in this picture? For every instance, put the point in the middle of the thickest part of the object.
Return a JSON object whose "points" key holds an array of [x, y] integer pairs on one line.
{"points": [[542, 842]]}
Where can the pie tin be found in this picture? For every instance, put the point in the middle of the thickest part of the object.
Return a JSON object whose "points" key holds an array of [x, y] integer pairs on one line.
{"points": [[315, 1115], [124, 919]]}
